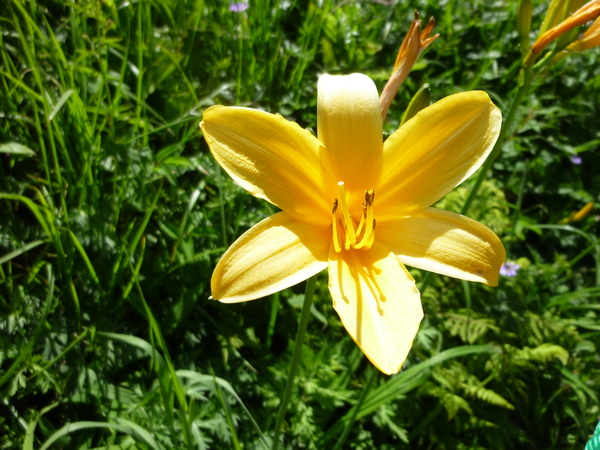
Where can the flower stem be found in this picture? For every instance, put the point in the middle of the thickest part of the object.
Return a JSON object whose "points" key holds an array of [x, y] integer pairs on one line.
{"points": [[355, 409], [289, 386], [238, 86]]}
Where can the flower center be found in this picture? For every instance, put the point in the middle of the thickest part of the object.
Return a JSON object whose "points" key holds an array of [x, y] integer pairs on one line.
{"points": [[346, 234]]}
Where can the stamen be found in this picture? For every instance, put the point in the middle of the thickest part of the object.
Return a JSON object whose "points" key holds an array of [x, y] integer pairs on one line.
{"points": [[368, 237], [362, 220], [336, 241], [369, 244], [346, 238], [348, 224]]}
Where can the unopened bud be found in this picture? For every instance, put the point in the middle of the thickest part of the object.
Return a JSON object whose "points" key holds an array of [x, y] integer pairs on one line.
{"points": [[583, 212], [589, 39], [524, 24], [583, 15], [567, 38], [415, 42], [554, 15], [575, 216], [421, 100]]}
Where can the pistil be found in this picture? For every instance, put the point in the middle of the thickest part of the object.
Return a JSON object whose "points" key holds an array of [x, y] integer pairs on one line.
{"points": [[347, 219], [336, 237]]}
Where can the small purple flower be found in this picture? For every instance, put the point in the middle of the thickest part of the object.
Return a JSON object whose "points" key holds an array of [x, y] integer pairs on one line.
{"points": [[575, 159], [509, 269], [238, 7]]}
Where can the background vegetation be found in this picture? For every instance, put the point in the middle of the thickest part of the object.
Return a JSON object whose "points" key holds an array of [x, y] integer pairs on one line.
{"points": [[113, 214]]}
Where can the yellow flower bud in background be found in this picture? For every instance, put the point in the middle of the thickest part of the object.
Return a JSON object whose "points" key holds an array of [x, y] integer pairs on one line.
{"points": [[583, 212], [583, 15], [579, 215]]}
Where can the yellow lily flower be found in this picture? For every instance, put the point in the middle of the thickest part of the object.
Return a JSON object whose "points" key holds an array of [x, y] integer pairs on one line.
{"points": [[357, 206]]}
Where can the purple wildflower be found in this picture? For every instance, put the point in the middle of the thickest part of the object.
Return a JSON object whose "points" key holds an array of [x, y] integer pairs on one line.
{"points": [[575, 159], [238, 7], [509, 269]]}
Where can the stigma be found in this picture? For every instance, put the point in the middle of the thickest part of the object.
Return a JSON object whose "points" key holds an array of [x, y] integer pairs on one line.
{"points": [[346, 233]]}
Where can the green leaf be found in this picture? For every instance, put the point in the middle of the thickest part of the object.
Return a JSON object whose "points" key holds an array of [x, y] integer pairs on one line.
{"points": [[14, 148], [140, 434]]}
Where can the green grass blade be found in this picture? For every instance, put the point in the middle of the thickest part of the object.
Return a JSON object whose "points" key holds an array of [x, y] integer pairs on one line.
{"points": [[209, 380], [404, 382], [28, 348], [33, 208], [22, 250], [84, 256], [140, 434]]}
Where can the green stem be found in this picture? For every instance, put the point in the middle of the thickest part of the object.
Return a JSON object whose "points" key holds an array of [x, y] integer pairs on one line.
{"points": [[228, 415], [518, 207], [355, 410], [289, 386], [240, 62], [222, 207], [425, 282], [272, 320]]}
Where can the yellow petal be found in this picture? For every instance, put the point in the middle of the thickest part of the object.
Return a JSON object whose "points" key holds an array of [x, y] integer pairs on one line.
{"points": [[447, 243], [378, 303], [435, 151], [271, 157], [349, 125], [276, 253]]}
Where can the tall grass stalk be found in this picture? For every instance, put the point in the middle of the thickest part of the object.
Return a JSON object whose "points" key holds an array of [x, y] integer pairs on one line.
{"points": [[296, 357]]}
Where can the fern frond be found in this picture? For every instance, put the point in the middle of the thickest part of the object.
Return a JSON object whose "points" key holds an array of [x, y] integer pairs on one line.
{"points": [[469, 327], [488, 396]]}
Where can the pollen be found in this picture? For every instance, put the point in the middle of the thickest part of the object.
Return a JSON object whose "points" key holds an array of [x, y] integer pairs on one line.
{"points": [[346, 234]]}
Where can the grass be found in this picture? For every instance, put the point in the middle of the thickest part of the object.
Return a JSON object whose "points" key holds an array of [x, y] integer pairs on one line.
{"points": [[113, 215]]}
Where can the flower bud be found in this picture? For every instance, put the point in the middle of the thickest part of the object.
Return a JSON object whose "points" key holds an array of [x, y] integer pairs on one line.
{"points": [[571, 7], [415, 43], [421, 100], [524, 24], [575, 216], [583, 15]]}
